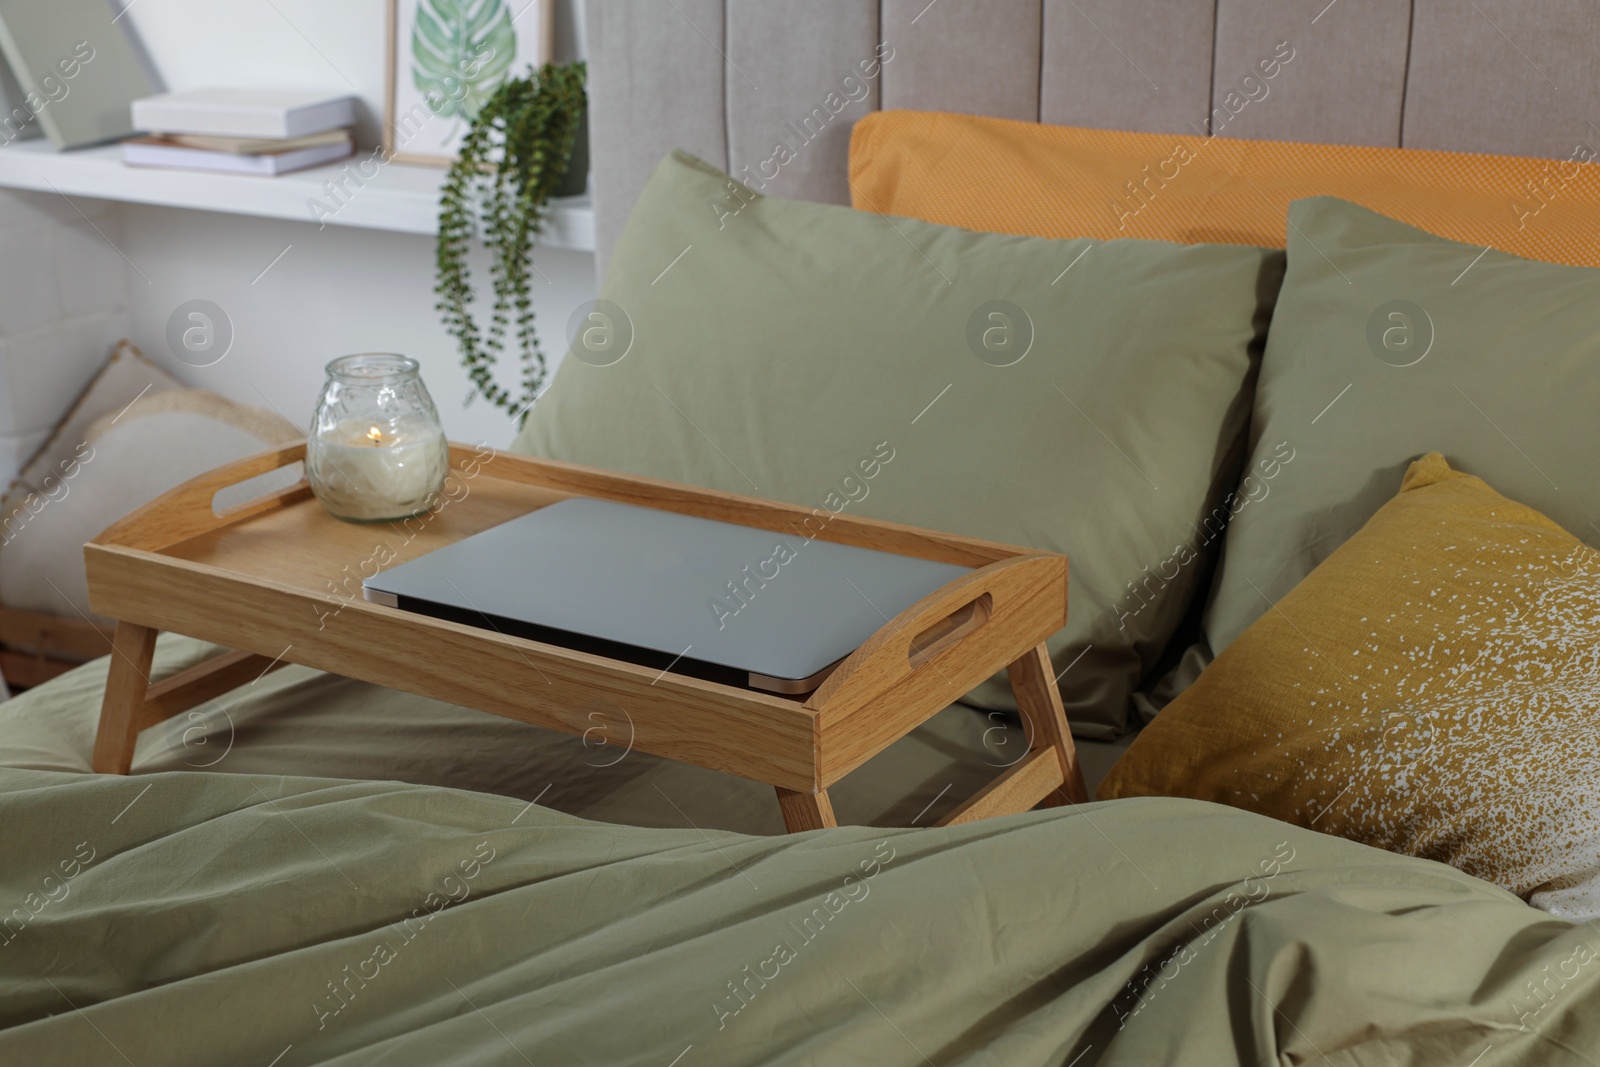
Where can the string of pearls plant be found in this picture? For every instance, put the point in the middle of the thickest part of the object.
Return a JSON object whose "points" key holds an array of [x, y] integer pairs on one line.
{"points": [[515, 155]]}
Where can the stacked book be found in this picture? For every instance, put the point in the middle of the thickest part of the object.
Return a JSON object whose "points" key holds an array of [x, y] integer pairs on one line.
{"points": [[242, 131]]}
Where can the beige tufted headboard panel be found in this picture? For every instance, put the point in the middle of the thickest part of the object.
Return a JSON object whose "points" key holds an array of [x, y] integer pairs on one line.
{"points": [[725, 79]]}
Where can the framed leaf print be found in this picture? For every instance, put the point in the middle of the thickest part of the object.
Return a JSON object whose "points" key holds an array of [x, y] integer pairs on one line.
{"points": [[446, 57]]}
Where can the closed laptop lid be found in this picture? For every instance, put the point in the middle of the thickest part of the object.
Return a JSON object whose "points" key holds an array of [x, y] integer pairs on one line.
{"points": [[782, 606]]}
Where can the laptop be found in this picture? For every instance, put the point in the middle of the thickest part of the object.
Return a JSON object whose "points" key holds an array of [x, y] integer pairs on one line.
{"points": [[714, 600]]}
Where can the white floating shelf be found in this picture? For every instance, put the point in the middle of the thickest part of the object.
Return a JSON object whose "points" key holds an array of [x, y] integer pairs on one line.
{"points": [[399, 198]]}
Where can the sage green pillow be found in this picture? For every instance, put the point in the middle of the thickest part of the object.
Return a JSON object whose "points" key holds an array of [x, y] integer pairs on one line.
{"points": [[1389, 343], [1083, 397]]}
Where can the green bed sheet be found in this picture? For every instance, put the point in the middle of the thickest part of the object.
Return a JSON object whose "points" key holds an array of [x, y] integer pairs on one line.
{"points": [[204, 919]]}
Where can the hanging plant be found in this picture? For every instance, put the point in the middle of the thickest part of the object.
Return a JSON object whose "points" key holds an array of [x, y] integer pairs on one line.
{"points": [[516, 154]]}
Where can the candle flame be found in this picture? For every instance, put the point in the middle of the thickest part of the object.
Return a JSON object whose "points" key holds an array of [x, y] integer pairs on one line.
{"points": [[375, 436]]}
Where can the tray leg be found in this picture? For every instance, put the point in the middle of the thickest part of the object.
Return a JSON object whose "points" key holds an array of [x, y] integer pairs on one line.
{"points": [[805, 811], [1039, 701], [132, 648], [131, 703]]}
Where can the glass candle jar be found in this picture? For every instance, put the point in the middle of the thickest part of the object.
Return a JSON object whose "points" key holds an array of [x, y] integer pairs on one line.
{"points": [[376, 451]]}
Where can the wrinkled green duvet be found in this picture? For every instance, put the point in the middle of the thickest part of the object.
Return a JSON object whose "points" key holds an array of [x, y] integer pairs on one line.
{"points": [[210, 919]]}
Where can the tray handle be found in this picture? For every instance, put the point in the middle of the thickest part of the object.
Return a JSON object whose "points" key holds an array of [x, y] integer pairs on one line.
{"points": [[189, 510], [1012, 604]]}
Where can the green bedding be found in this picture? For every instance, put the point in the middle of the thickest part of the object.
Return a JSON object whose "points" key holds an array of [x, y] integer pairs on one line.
{"points": [[200, 918]]}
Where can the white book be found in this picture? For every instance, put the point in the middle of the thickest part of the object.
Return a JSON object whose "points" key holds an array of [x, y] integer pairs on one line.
{"points": [[237, 112], [145, 152]]}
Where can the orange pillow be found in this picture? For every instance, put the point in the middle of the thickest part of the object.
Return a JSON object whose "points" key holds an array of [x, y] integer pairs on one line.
{"points": [[1005, 176]]}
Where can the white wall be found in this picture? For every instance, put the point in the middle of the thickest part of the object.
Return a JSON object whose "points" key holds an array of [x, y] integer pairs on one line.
{"points": [[63, 303], [337, 290]]}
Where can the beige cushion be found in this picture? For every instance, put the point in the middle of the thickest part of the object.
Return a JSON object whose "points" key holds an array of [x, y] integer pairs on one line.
{"points": [[127, 376], [124, 460]]}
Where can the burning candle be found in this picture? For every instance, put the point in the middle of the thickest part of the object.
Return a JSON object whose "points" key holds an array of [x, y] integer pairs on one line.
{"points": [[376, 451]]}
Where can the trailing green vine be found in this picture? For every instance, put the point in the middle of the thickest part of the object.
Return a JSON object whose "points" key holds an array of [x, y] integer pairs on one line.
{"points": [[516, 153]]}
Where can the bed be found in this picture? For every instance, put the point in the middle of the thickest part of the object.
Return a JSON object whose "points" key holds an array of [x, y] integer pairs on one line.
{"points": [[443, 927], [317, 871]]}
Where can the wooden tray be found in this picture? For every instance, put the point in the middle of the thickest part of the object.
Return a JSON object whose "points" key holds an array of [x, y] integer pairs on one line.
{"points": [[279, 580]]}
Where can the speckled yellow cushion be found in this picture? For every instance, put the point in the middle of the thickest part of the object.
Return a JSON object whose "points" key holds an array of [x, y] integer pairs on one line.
{"points": [[1432, 688]]}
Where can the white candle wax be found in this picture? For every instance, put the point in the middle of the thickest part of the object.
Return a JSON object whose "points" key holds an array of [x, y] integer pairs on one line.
{"points": [[375, 472]]}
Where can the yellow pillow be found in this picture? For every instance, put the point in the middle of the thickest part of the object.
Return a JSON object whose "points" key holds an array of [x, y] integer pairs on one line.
{"points": [[1432, 688], [1004, 176]]}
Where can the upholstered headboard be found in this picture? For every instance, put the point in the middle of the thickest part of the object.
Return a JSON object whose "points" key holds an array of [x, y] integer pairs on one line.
{"points": [[730, 79]]}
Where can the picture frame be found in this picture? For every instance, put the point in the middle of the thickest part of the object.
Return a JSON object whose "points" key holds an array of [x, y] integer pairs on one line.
{"points": [[431, 92]]}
